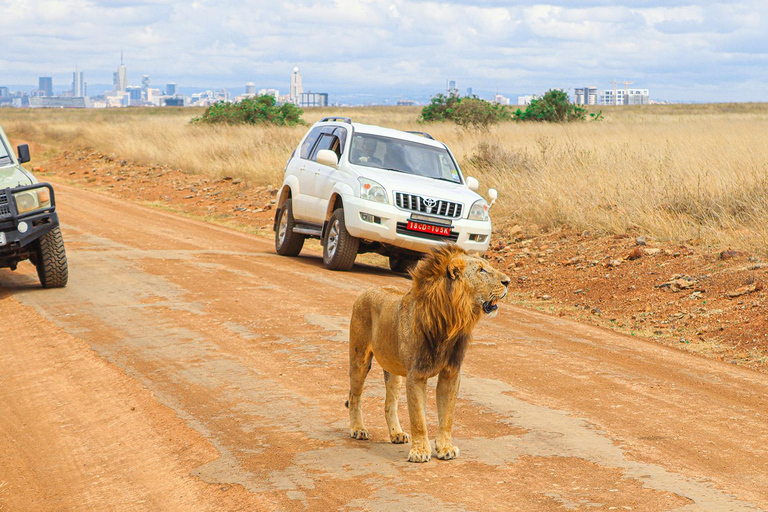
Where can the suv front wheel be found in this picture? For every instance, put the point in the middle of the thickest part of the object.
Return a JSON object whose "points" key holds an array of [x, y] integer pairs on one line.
{"points": [[339, 247], [287, 243]]}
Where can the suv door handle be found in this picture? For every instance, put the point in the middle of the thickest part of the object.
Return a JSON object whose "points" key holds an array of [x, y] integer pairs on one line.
{"points": [[317, 172], [302, 169]]}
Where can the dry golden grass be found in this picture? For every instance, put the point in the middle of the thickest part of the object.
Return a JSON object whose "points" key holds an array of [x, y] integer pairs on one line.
{"points": [[674, 172]]}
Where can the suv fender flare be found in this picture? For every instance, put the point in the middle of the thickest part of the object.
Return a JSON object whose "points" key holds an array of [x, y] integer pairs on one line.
{"points": [[291, 184], [340, 190]]}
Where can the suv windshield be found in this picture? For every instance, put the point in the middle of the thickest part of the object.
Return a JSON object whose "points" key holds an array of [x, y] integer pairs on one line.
{"points": [[403, 156]]}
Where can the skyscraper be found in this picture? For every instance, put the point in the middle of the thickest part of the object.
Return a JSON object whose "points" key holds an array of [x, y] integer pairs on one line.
{"points": [[121, 76], [250, 88], [78, 84], [144, 84], [296, 88], [45, 86], [170, 89]]}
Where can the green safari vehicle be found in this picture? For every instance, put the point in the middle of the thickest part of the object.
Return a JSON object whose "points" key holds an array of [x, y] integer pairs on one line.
{"points": [[29, 225]]}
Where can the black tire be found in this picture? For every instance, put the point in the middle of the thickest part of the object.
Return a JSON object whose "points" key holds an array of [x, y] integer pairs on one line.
{"points": [[51, 261], [287, 243], [402, 264], [339, 247]]}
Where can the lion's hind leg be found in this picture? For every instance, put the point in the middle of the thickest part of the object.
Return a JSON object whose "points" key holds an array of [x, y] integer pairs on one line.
{"points": [[360, 360], [393, 384]]}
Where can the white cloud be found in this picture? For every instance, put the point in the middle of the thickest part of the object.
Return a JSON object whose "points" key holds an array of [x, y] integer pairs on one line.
{"points": [[396, 45]]}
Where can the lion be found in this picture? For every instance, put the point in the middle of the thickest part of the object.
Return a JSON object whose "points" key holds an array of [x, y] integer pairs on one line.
{"points": [[419, 334]]}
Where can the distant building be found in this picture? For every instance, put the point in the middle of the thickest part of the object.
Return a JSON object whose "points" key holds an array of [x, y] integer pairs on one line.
{"points": [[174, 102], [270, 92], [313, 99], [585, 96], [469, 92], [45, 86], [170, 89], [500, 99], [405, 103], [145, 87], [625, 97], [296, 88], [451, 88], [250, 89], [78, 84], [4, 92], [60, 102], [120, 76], [134, 95], [527, 99]]}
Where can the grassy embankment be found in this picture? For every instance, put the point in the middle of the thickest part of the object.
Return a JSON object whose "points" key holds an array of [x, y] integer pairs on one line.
{"points": [[673, 172]]}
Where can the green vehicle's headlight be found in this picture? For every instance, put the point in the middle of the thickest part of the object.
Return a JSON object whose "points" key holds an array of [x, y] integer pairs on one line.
{"points": [[372, 191], [32, 199], [479, 210]]}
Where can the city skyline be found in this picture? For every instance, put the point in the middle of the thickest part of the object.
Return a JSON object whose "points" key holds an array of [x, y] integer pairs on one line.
{"points": [[710, 51]]}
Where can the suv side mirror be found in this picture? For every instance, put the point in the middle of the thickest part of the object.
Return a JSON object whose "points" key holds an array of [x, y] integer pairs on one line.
{"points": [[327, 157], [23, 152], [472, 183], [493, 194]]}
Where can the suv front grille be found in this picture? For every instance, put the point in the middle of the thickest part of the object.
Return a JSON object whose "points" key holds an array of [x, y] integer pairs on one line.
{"points": [[5, 207], [416, 203]]}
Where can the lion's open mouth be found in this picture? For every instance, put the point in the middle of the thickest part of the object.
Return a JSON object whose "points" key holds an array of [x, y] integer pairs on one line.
{"points": [[490, 306]]}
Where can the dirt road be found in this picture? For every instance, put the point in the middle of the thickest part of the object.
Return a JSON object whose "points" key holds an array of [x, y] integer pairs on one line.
{"points": [[188, 367]]}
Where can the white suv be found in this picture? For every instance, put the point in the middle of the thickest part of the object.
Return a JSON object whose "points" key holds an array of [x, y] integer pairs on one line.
{"points": [[361, 188]]}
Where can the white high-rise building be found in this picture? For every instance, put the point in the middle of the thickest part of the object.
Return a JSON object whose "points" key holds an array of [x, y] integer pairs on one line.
{"points": [[78, 84], [625, 97], [250, 89], [585, 96], [296, 87], [121, 76]]}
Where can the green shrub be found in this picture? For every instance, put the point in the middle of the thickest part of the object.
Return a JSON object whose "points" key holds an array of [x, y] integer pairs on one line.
{"points": [[256, 110], [554, 107], [468, 111]]}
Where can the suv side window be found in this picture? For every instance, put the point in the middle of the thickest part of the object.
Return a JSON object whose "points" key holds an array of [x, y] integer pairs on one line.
{"points": [[326, 141], [306, 146]]}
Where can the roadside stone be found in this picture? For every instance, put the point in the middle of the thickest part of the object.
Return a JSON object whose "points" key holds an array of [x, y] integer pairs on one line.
{"points": [[641, 240], [546, 297], [634, 254], [652, 251], [744, 290], [728, 254]]}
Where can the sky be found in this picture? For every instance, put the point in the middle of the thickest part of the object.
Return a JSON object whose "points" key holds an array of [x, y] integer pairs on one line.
{"points": [[377, 51]]}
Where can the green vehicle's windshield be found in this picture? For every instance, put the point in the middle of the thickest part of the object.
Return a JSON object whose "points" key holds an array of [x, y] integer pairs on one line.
{"points": [[5, 156], [403, 156]]}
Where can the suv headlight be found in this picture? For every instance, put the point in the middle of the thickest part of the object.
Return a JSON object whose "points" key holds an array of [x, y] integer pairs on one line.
{"points": [[479, 210], [372, 191], [32, 199]]}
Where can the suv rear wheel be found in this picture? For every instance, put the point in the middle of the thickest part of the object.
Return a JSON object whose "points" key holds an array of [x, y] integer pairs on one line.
{"points": [[51, 260], [287, 243], [339, 247]]}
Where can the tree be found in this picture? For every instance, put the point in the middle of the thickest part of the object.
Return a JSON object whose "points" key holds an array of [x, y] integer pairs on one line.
{"points": [[554, 107], [256, 110]]}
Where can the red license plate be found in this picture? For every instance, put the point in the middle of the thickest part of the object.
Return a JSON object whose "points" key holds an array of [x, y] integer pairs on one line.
{"points": [[429, 228]]}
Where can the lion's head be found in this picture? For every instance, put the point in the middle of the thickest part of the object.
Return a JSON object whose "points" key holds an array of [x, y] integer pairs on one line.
{"points": [[454, 289]]}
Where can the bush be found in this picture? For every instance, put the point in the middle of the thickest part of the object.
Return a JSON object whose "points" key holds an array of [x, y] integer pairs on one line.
{"points": [[256, 110], [554, 107], [469, 111]]}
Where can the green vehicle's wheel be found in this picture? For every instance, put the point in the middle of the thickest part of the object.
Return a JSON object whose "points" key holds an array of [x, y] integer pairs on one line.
{"points": [[51, 261]]}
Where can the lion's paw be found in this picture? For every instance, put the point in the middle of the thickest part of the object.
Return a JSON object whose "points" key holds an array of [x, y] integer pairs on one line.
{"points": [[420, 455], [448, 452], [359, 433], [399, 438]]}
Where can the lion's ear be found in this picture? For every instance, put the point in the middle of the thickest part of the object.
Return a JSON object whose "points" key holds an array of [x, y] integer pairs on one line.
{"points": [[456, 268]]}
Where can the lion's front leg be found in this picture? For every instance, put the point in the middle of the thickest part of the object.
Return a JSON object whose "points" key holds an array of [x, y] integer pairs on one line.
{"points": [[416, 392], [447, 390]]}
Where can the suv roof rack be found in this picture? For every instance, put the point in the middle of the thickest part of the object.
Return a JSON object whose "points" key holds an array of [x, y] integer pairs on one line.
{"points": [[337, 118], [423, 134]]}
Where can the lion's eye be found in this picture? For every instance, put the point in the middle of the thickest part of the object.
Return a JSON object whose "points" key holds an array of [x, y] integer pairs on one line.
{"points": [[482, 269]]}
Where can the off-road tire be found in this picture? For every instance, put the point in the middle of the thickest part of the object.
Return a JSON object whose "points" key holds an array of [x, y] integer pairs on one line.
{"points": [[339, 247], [287, 243], [402, 264], [51, 261]]}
